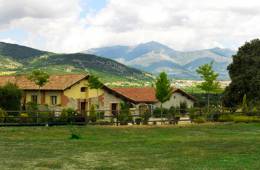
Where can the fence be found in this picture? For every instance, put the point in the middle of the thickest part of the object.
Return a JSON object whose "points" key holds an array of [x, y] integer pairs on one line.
{"points": [[41, 118]]}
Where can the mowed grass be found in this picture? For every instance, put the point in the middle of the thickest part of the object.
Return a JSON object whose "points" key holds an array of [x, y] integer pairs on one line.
{"points": [[230, 146]]}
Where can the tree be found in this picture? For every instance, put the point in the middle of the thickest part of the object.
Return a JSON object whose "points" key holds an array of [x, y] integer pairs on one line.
{"points": [[163, 89], [245, 75], [210, 83], [245, 108], [94, 83], [40, 78], [10, 97]]}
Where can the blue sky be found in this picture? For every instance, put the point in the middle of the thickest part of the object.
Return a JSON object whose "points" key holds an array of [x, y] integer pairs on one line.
{"points": [[77, 25]]}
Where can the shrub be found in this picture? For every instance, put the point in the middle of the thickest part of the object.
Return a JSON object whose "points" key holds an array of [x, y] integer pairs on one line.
{"points": [[199, 120], [145, 117], [138, 120], [3, 115], [214, 114], [101, 115], [246, 119], [104, 122], [157, 112], [92, 114], [68, 115], [226, 118], [124, 116], [10, 97]]}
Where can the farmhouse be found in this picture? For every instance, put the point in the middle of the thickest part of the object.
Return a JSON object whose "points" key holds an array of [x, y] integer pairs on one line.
{"points": [[72, 91], [61, 91], [141, 99]]}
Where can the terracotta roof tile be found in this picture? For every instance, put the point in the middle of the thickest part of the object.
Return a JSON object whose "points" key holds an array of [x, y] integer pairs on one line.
{"points": [[146, 94], [56, 82], [138, 94]]}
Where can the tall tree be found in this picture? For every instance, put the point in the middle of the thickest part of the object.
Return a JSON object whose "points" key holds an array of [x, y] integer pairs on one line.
{"points": [[95, 83], [210, 83], [163, 89], [245, 75], [39, 77]]}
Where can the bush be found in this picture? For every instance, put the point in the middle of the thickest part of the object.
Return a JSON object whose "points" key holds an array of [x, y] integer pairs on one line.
{"points": [[199, 120], [68, 115], [124, 116], [157, 112], [10, 97], [145, 117], [3, 115], [92, 114], [138, 120], [104, 122], [226, 118], [246, 119]]}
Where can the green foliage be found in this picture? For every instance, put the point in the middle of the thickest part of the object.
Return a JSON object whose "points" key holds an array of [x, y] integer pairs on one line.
{"points": [[209, 76], [210, 83], [163, 88], [246, 119], [138, 120], [10, 97], [245, 108], [92, 114], [31, 106], [199, 120], [3, 114], [157, 112], [40, 78], [124, 116], [145, 117], [226, 118], [94, 82], [68, 115], [245, 75]]}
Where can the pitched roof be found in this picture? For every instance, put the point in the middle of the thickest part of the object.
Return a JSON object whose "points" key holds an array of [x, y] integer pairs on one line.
{"points": [[56, 82], [142, 95], [146, 94]]}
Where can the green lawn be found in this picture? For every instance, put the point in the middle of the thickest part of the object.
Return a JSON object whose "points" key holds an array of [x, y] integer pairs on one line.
{"points": [[230, 146]]}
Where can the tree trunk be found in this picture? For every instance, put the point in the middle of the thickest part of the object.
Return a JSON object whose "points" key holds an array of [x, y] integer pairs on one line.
{"points": [[161, 114], [208, 103]]}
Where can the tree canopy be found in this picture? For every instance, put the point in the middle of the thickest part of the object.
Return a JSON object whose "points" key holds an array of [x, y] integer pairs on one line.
{"points": [[210, 83], [10, 97], [163, 88], [39, 77], [245, 75], [94, 82], [209, 76]]}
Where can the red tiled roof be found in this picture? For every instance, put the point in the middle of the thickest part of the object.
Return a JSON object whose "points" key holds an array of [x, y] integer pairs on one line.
{"points": [[146, 94], [56, 82], [142, 95]]}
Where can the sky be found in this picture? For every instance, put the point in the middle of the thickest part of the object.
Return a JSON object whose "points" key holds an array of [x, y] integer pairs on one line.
{"points": [[68, 26]]}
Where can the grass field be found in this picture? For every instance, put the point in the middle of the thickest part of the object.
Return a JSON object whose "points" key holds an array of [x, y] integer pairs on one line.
{"points": [[230, 146]]}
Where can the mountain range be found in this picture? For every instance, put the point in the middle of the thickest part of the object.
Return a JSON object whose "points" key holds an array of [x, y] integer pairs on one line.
{"points": [[16, 59], [155, 57]]}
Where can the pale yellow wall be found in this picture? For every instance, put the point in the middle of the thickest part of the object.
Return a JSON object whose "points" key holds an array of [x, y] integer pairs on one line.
{"points": [[48, 95], [30, 93], [75, 93], [175, 101]]}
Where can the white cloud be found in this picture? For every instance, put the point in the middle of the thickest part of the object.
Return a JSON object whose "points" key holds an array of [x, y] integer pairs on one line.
{"points": [[56, 25]]}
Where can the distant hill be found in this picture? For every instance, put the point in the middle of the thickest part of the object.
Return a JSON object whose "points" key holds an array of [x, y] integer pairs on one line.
{"points": [[18, 59], [155, 57]]}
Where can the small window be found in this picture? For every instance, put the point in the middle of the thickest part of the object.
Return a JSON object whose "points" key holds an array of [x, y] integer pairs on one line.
{"points": [[83, 89], [34, 99], [53, 100]]}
